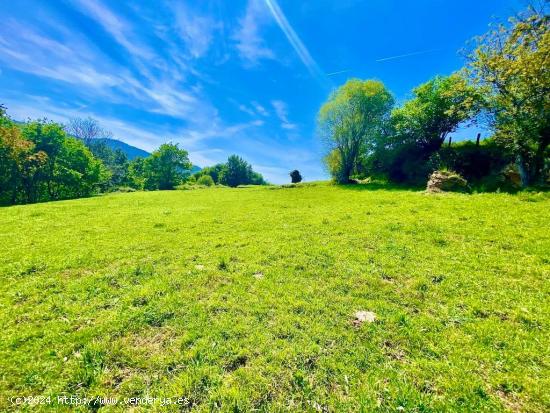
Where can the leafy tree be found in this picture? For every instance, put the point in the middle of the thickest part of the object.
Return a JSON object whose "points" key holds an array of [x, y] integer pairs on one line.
{"points": [[136, 173], [205, 180], [257, 179], [511, 62], [352, 121], [19, 165], [49, 138], [77, 173], [438, 107], [236, 172], [213, 171], [38, 162], [407, 150], [4, 119], [295, 176], [166, 167]]}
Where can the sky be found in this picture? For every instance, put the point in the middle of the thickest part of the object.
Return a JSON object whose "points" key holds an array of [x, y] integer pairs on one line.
{"points": [[222, 77]]}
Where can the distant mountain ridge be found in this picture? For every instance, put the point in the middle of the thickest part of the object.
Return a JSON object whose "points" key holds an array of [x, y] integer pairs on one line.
{"points": [[130, 151]]}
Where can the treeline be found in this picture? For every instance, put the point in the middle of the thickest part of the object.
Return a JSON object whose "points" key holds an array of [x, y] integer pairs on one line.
{"points": [[505, 85], [236, 171], [43, 161]]}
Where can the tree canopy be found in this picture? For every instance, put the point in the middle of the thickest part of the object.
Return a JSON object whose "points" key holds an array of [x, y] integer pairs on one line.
{"points": [[351, 121], [511, 64], [166, 167]]}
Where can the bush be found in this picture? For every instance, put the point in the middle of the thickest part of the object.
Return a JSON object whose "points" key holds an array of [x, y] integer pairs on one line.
{"points": [[507, 180], [475, 162], [447, 181], [205, 180], [295, 176]]}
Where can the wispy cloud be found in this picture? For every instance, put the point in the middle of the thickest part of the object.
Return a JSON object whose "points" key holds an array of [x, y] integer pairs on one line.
{"points": [[249, 41], [196, 30], [33, 52], [281, 109], [295, 40], [385, 59], [116, 27], [339, 72], [259, 108]]}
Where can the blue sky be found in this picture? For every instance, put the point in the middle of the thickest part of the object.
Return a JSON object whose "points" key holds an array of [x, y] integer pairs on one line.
{"points": [[222, 77]]}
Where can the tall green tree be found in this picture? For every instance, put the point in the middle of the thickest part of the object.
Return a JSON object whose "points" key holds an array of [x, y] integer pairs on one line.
{"points": [[166, 167], [236, 172], [437, 108], [20, 165], [420, 126], [49, 138], [352, 121], [511, 62]]}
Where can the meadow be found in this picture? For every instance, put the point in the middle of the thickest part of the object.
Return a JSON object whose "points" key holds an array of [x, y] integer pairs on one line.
{"points": [[245, 299]]}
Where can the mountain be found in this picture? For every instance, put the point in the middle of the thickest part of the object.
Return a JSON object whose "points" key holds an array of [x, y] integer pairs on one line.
{"points": [[131, 151]]}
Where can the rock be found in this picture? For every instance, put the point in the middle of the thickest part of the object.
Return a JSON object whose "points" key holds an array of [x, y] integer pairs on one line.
{"points": [[446, 181], [199, 267], [364, 317], [258, 275]]}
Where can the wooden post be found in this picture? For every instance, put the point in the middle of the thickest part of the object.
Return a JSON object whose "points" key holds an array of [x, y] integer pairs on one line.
{"points": [[450, 140], [477, 140]]}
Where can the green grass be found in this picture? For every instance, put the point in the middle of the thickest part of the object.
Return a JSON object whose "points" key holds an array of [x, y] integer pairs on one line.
{"points": [[244, 299]]}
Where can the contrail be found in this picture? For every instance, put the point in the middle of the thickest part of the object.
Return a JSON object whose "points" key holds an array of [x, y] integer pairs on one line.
{"points": [[294, 40], [407, 55], [337, 73]]}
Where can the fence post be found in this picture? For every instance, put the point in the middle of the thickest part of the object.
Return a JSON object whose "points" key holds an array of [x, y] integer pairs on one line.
{"points": [[477, 140]]}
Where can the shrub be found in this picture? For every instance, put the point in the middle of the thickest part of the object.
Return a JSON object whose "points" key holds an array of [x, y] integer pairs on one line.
{"points": [[205, 180], [507, 180], [295, 176], [443, 181]]}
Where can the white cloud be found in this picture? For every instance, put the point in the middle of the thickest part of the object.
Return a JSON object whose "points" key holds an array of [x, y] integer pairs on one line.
{"points": [[259, 108], [250, 44], [116, 27], [196, 31], [281, 109]]}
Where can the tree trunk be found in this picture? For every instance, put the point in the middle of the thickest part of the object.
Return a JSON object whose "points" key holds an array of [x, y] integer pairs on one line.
{"points": [[524, 175], [538, 175]]}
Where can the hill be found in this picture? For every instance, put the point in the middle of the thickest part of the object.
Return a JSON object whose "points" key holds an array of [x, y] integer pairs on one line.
{"points": [[259, 298], [131, 152]]}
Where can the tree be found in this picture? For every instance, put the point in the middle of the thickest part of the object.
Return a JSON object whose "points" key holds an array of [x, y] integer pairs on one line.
{"points": [[77, 173], [19, 165], [236, 172], [87, 129], [136, 173], [295, 176], [49, 138], [420, 126], [205, 180], [437, 108], [166, 167], [511, 63], [212, 171], [38, 162], [352, 120]]}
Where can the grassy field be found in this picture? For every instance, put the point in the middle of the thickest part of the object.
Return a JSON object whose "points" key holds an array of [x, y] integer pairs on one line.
{"points": [[244, 299]]}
